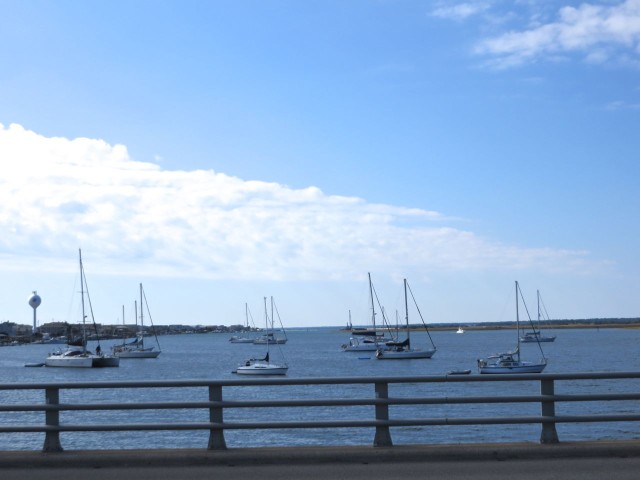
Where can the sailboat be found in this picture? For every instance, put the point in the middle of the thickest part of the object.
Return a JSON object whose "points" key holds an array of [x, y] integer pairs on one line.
{"points": [[460, 330], [510, 362], [536, 335], [136, 348], [364, 339], [403, 350], [238, 339], [269, 337], [76, 355], [263, 366]]}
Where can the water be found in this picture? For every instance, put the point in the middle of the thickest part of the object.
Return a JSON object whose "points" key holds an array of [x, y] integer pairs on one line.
{"points": [[316, 353]]}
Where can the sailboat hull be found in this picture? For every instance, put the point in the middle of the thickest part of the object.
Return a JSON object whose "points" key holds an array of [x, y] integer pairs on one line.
{"points": [[147, 353], [523, 368], [69, 361], [262, 369], [104, 361], [403, 354]]}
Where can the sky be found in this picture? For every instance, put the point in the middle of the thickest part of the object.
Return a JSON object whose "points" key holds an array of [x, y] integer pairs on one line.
{"points": [[220, 152]]}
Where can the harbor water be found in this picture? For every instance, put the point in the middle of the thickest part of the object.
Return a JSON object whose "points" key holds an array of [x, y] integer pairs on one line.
{"points": [[317, 353]]}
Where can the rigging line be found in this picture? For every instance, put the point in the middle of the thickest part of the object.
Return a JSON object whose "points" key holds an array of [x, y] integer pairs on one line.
{"points": [[279, 319], [153, 327], [384, 317], [251, 317], [544, 309], [420, 313], [93, 320], [530, 321]]}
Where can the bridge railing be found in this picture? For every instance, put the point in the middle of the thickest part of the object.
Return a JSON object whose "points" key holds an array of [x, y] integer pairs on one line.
{"points": [[213, 400]]}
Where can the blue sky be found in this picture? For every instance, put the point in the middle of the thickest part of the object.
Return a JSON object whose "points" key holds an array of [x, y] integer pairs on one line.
{"points": [[223, 151]]}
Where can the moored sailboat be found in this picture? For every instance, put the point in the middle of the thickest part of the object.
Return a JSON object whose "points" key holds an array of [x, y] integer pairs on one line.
{"points": [[536, 335], [510, 362], [238, 338], [136, 348], [76, 355], [365, 339], [404, 350], [263, 366]]}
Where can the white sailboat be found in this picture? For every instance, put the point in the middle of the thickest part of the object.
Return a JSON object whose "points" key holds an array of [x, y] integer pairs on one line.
{"points": [[263, 366], [269, 337], [364, 339], [76, 355], [239, 339], [536, 335], [404, 350], [136, 348], [460, 330], [510, 362]]}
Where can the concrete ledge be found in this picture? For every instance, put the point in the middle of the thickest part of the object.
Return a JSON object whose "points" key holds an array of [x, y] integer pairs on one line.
{"points": [[315, 455]]}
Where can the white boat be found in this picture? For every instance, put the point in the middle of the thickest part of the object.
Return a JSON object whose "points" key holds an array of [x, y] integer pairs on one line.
{"points": [[239, 339], [136, 348], [460, 330], [365, 339], [76, 355], [404, 350], [367, 343], [536, 335], [510, 362], [270, 338], [71, 357], [263, 366]]}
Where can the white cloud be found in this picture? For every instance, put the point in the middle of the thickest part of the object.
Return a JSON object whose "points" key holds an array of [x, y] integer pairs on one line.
{"points": [[134, 217], [598, 32], [460, 11]]}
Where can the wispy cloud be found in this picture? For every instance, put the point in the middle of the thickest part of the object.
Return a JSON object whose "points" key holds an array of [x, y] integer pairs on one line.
{"points": [[600, 33], [460, 11], [134, 217]]}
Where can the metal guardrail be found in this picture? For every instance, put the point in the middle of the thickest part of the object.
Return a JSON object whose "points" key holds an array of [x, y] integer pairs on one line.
{"points": [[380, 399]]}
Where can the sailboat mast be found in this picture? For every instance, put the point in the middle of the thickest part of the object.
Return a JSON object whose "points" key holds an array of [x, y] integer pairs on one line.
{"points": [[538, 294], [266, 324], [84, 331], [517, 322], [141, 319], [406, 307], [141, 309], [373, 308]]}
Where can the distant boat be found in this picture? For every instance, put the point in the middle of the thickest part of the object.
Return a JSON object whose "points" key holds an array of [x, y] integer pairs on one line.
{"points": [[536, 335], [460, 330], [270, 338], [136, 348], [263, 366], [365, 339], [404, 350], [76, 355], [239, 339], [510, 362]]}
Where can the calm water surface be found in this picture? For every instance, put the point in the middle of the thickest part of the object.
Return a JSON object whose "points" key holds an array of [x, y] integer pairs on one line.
{"points": [[317, 353]]}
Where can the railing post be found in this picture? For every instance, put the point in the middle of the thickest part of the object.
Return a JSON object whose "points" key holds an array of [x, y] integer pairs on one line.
{"points": [[383, 436], [216, 435], [549, 433], [52, 419]]}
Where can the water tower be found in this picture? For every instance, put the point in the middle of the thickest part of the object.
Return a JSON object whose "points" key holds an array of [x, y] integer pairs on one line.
{"points": [[34, 302]]}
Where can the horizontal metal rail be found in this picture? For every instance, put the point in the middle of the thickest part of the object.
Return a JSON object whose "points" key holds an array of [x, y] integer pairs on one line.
{"points": [[381, 400]]}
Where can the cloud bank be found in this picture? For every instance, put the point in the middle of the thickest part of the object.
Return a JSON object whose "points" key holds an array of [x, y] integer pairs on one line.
{"points": [[134, 217]]}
